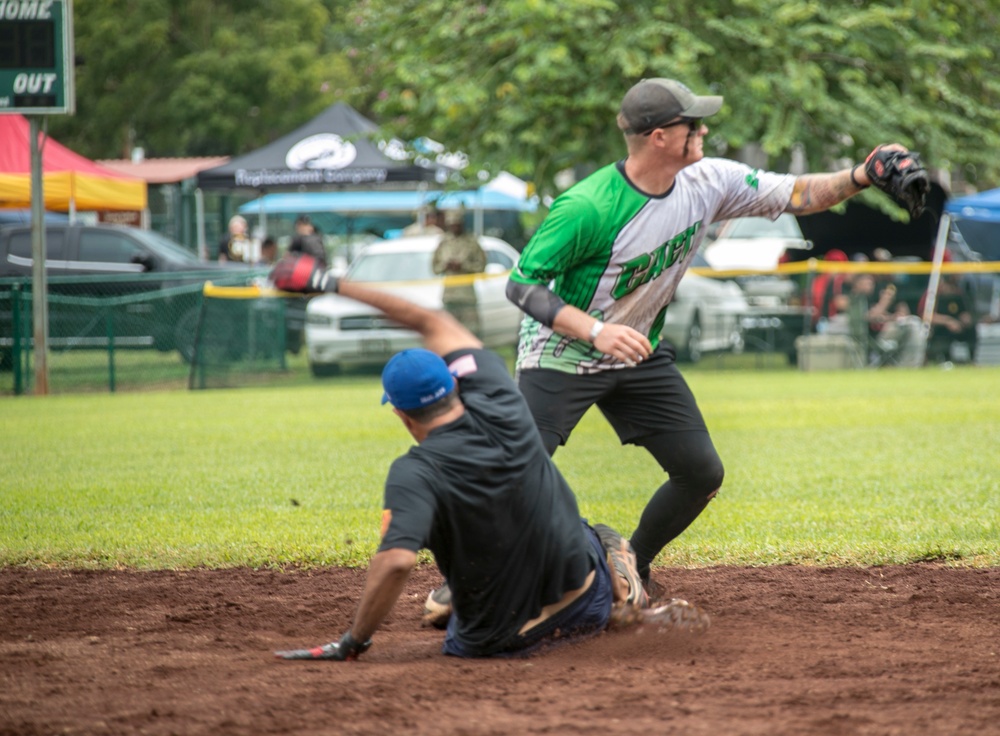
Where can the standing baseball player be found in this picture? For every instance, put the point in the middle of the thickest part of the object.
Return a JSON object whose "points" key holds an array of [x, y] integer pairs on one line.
{"points": [[480, 491], [597, 277]]}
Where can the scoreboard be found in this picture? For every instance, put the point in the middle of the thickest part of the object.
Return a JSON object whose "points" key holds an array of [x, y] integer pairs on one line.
{"points": [[36, 57]]}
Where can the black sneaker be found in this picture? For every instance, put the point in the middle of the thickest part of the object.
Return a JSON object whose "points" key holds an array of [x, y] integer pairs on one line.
{"points": [[622, 559], [437, 607]]}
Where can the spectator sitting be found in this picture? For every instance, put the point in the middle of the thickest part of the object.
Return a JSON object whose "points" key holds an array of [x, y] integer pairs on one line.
{"points": [[882, 280], [826, 288], [953, 327], [884, 330]]}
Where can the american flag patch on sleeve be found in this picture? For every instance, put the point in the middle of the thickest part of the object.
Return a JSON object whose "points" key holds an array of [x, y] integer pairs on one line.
{"points": [[463, 366]]}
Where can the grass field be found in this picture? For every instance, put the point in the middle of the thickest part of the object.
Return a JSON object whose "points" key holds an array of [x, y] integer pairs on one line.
{"points": [[857, 467]]}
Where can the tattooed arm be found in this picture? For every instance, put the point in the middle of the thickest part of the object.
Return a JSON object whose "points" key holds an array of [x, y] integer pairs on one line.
{"points": [[818, 192]]}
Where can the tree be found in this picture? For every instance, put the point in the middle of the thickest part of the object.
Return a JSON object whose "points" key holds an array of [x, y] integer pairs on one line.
{"points": [[199, 77], [533, 86]]}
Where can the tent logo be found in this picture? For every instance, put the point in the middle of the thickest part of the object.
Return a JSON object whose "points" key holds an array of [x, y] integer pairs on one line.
{"points": [[321, 151]]}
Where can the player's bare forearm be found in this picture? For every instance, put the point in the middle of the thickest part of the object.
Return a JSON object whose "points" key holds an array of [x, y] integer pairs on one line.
{"points": [[441, 332], [621, 341], [573, 322], [819, 192], [387, 575]]}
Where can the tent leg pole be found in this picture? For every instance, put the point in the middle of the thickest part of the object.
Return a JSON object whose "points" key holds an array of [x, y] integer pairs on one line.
{"points": [[199, 216]]}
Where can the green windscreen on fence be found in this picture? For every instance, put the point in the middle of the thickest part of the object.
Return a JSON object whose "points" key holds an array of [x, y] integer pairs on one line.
{"points": [[240, 337], [105, 333], [163, 331]]}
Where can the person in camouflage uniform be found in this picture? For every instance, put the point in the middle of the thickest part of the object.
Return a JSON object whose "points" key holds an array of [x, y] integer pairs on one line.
{"points": [[459, 253]]}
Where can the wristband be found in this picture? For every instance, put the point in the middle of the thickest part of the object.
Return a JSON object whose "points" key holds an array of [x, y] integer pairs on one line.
{"points": [[854, 181], [595, 330]]}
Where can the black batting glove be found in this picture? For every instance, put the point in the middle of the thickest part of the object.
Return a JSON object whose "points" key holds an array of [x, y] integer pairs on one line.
{"points": [[302, 275], [340, 651]]}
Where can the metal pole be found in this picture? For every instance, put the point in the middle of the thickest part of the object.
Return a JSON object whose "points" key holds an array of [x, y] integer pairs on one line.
{"points": [[199, 208], [477, 216], [15, 351], [261, 224], [807, 323], [935, 277], [39, 288], [937, 259], [283, 341], [110, 325]]}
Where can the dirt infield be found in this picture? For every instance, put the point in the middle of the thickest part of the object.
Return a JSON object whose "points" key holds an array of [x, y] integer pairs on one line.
{"points": [[792, 650]]}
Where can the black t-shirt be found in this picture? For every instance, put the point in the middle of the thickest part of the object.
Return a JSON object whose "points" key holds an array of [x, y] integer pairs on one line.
{"points": [[311, 244], [951, 304], [236, 249], [483, 495]]}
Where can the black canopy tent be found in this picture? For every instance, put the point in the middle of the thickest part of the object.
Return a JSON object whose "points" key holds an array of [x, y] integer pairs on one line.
{"points": [[338, 149]]}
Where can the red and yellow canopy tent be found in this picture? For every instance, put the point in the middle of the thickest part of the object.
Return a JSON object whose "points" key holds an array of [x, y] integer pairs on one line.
{"points": [[72, 183]]}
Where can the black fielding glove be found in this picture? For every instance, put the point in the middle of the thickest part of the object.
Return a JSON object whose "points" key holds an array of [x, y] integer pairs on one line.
{"points": [[340, 651], [302, 275], [901, 175]]}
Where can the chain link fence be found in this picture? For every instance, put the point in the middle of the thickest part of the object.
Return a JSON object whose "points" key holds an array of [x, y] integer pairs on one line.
{"points": [[161, 331], [107, 333]]}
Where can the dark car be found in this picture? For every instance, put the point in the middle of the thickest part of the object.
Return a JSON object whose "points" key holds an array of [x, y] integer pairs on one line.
{"points": [[107, 283]]}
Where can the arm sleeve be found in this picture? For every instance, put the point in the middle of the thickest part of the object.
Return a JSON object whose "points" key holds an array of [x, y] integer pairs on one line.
{"points": [[535, 300]]}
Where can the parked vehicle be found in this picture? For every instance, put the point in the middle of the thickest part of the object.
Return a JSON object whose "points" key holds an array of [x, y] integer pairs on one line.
{"points": [[704, 317], [107, 282], [342, 331], [757, 244], [776, 315]]}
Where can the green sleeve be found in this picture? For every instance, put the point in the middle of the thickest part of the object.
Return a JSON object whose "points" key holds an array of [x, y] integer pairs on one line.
{"points": [[564, 239]]}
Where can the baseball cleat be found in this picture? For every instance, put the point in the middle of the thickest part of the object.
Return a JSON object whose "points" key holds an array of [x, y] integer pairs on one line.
{"points": [[677, 614], [655, 590], [621, 559], [437, 608]]}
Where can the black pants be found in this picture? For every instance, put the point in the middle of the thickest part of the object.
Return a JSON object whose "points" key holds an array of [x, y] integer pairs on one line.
{"points": [[651, 406]]}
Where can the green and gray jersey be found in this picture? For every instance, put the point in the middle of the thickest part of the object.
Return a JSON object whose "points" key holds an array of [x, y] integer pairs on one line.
{"points": [[618, 254]]}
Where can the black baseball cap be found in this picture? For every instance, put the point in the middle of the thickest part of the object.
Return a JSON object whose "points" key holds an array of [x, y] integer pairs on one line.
{"points": [[652, 102]]}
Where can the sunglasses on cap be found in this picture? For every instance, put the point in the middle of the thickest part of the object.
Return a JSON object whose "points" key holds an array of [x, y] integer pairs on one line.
{"points": [[694, 125]]}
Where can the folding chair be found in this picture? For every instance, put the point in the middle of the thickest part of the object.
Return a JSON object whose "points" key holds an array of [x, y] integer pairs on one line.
{"points": [[882, 351]]}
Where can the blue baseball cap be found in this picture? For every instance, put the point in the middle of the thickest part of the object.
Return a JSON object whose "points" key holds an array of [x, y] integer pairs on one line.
{"points": [[415, 378]]}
